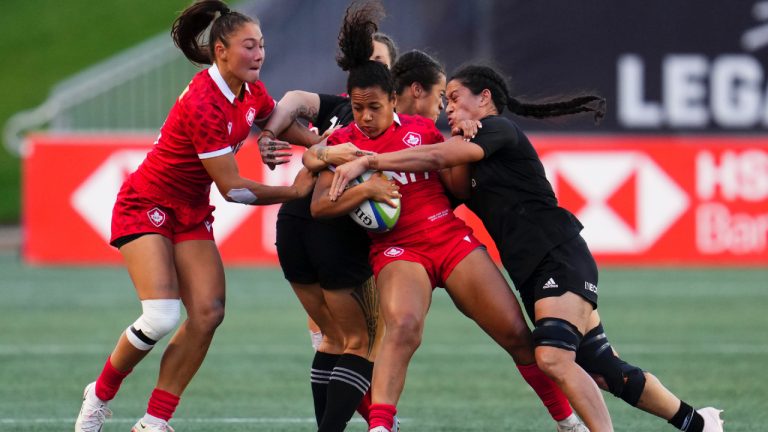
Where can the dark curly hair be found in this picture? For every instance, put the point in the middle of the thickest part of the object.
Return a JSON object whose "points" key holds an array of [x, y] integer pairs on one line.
{"points": [[356, 47]]}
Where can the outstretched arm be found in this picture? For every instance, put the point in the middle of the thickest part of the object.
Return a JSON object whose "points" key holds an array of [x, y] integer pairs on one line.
{"points": [[235, 188], [378, 188], [283, 123], [454, 152], [320, 156]]}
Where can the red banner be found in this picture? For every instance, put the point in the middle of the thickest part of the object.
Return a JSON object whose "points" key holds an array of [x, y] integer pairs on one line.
{"points": [[643, 200]]}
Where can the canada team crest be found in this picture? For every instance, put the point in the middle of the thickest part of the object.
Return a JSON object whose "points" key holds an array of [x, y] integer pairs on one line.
{"points": [[250, 116], [156, 216], [412, 139], [393, 252]]}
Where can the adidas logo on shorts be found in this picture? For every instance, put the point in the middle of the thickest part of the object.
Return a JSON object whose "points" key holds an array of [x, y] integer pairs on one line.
{"points": [[550, 284]]}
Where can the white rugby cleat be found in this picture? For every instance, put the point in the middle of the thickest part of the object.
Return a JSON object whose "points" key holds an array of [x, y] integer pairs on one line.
{"points": [[93, 413], [712, 421], [379, 429], [142, 426], [571, 424]]}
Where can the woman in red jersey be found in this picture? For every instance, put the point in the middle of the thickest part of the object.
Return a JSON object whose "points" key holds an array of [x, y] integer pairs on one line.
{"points": [[428, 247], [162, 220], [539, 242]]}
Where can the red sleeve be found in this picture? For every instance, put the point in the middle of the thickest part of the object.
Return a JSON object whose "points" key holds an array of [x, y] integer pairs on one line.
{"points": [[264, 103], [339, 136], [432, 134]]}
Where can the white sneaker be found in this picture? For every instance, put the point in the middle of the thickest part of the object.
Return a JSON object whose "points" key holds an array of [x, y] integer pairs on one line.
{"points": [[712, 422], [93, 413], [571, 424], [142, 426]]}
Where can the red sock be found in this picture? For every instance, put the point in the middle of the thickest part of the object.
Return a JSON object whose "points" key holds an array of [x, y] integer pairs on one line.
{"points": [[548, 391], [365, 405], [381, 415], [162, 404], [109, 381]]}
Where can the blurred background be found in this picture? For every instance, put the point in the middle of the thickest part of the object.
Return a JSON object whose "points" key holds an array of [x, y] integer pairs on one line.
{"points": [[672, 188], [675, 174]]}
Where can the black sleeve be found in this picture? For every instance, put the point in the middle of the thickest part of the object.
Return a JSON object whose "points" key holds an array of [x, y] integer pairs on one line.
{"points": [[329, 107], [496, 133]]}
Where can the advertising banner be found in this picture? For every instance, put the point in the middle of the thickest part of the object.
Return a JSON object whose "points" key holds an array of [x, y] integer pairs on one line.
{"points": [[657, 200]]}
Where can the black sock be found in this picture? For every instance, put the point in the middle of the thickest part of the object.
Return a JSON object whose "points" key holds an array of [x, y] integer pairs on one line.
{"points": [[322, 366], [350, 380], [687, 419]]}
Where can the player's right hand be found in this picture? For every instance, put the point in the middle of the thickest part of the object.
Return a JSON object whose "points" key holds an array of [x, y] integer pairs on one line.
{"points": [[345, 173], [467, 129], [273, 151]]}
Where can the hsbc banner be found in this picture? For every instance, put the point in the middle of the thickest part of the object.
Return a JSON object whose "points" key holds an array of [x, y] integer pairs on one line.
{"points": [[643, 200]]}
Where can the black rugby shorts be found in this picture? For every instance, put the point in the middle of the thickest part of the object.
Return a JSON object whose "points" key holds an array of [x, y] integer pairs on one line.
{"points": [[333, 253], [568, 267]]}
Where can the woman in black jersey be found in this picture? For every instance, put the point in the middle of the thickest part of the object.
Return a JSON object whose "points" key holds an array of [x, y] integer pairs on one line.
{"points": [[539, 243], [326, 261]]}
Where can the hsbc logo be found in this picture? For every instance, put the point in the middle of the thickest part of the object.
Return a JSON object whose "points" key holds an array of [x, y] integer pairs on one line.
{"points": [[625, 200], [412, 139]]}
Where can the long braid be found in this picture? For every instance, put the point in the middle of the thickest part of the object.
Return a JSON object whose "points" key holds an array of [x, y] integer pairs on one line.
{"points": [[477, 78]]}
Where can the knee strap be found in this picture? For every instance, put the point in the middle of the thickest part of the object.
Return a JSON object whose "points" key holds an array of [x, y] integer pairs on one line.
{"points": [[159, 318], [596, 356], [558, 333]]}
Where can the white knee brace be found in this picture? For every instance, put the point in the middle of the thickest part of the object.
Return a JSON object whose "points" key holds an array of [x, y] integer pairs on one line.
{"points": [[159, 318]]}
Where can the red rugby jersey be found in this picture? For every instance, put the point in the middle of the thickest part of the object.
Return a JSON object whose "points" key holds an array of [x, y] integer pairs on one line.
{"points": [[424, 203], [207, 120]]}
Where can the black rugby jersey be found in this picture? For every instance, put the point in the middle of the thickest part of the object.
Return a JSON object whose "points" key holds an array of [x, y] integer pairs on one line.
{"points": [[334, 110], [514, 199]]}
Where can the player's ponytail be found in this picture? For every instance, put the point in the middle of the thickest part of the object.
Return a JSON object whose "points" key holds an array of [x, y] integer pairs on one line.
{"points": [[477, 78], [356, 47], [416, 66], [189, 27]]}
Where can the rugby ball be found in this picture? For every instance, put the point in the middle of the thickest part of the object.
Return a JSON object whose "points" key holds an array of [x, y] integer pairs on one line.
{"points": [[375, 216]]}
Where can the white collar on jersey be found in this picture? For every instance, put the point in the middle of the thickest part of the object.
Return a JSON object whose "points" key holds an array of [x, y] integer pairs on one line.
{"points": [[213, 71], [397, 120]]}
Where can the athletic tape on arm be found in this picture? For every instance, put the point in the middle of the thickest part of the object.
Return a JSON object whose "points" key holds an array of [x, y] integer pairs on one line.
{"points": [[242, 195]]}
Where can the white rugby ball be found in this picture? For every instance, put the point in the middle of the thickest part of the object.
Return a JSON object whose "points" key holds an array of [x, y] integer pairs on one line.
{"points": [[375, 216]]}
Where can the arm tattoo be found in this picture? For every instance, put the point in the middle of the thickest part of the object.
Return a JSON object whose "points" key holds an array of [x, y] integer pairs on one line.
{"points": [[305, 112], [322, 154]]}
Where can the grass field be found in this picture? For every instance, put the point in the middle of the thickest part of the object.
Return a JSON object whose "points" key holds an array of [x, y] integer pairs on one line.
{"points": [[68, 36], [701, 331]]}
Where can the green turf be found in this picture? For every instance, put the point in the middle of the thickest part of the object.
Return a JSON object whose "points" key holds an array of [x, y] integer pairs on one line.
{"points": [[701, 331], [46, 41]]}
